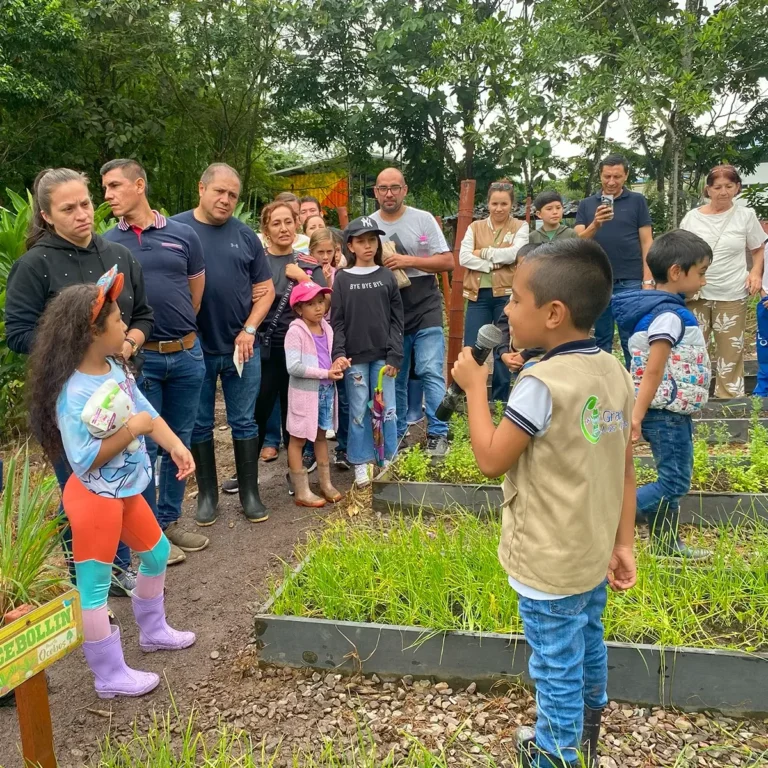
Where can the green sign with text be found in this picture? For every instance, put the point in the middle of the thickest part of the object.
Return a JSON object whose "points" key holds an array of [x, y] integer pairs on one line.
{"points": [[37, 639]]}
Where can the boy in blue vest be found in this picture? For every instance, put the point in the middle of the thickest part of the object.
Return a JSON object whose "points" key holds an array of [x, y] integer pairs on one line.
{"points": [[671, 370]]}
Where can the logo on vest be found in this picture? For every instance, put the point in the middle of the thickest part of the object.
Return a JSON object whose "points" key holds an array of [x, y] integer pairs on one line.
{"points": [[596, 422], [590, 420]]}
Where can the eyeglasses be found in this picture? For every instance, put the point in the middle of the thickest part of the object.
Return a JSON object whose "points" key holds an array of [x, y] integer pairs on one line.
{"points": [[395, 189], [502, 185]]}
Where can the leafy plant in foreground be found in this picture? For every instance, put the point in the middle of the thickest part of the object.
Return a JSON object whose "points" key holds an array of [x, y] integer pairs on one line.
{"points": [[30, 539]]}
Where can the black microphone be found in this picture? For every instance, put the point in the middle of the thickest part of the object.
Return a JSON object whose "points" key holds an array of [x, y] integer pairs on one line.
{"points": [[488, 337]]}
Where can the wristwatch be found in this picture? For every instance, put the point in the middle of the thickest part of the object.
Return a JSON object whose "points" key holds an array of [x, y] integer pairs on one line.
{"points": [[133, 344], [250, 329]]}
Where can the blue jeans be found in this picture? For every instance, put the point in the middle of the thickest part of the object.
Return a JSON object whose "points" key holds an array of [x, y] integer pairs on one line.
{"points": [[415, 402], [122, 560], [670, 436], [240, 394], [569, 664], [343, 430], [604, 323], [428, 349], [172, 384], [761, 388], [361, 381], [488, 309], [273, 437], [326, 397]]}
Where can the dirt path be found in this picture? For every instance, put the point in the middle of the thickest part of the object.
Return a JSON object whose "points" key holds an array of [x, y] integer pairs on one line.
{"points": [[212, 593]]}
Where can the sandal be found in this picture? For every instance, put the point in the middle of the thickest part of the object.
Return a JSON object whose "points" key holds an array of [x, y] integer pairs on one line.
{"points": [[268, 454]]}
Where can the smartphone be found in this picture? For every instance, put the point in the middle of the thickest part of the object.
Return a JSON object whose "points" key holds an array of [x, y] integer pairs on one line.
{"points": [[606, 200]]}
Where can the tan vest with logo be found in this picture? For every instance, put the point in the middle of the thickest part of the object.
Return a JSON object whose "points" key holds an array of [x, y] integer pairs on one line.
{"points": [[562, 500], [501, 279]]}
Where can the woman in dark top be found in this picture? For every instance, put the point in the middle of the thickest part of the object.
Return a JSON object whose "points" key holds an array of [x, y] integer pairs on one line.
{"points": [[278, 229], [63, 250]]}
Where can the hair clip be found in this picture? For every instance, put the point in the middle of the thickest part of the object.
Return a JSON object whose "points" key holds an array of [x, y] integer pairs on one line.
{"points": [[110, 285]]}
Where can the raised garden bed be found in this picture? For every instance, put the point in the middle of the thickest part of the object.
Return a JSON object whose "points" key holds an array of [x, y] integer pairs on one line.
{"points": [[696, 508], [430, 600], [730, 484]]}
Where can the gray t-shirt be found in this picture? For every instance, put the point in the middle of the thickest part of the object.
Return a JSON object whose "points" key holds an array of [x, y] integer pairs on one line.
{"points": [[422, 303]]}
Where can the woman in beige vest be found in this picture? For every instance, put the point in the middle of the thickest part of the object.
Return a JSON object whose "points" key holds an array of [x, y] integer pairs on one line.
{"points": [[488, 253]]}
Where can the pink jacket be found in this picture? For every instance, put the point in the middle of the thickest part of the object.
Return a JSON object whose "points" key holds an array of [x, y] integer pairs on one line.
{"points": [[301, 362]]}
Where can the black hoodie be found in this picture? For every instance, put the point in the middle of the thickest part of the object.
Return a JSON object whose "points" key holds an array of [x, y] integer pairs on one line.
{"points": [[53, 264]]}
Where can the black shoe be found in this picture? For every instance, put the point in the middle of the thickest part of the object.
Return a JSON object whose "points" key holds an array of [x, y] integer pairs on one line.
{"points": [[247, 464], [591, 736], [340, 461], [207, 483], [310, 462], [665, 537], [230, 486]]}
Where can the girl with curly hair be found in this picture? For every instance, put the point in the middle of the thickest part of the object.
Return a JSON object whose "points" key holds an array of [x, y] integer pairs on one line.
{"points": [[77, 348]]}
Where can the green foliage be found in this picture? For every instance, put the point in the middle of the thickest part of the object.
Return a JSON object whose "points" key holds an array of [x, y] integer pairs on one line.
{"points": [[444, 574], [413, 464], [29, 538], [459, 466], [13, 233], [756, 197]]}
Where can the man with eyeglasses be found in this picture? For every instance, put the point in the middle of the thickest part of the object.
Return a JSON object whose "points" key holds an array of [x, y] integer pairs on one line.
{"points": [[422, 252]]}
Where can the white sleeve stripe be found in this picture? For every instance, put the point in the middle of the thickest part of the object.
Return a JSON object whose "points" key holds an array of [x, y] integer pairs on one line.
{"points": [[662, 337]]}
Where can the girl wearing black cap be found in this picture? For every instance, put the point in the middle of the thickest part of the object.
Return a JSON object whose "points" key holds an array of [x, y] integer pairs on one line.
{"points": [[367, 319]]}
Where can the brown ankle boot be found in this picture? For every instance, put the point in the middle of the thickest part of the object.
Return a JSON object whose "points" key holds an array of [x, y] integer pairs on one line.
{"points": [[303, 496], [326, 486]]}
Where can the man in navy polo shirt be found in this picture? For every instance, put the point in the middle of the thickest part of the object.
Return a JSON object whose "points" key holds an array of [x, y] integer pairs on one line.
{"points": [[624, 229], [171, 258], [236, 271]]}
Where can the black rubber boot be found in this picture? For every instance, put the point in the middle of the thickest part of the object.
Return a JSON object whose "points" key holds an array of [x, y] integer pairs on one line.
{"points": [[591, 735], [247, 465], [207, 483], [665, 537]]}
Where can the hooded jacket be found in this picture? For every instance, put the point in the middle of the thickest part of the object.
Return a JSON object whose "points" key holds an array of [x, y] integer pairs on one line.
{"points": [[53, 264], [684, 387], [563, 232]]}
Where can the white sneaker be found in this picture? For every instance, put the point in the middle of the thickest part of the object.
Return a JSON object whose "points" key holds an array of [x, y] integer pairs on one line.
{"points": [[362, 475], [330, 434]]}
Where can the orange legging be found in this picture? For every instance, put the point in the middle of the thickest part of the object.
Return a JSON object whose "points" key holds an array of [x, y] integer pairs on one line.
{"points": [[98, 524]]}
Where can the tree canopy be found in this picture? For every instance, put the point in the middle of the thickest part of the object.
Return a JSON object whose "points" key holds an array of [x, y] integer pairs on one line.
{"points": [[453, 88]]}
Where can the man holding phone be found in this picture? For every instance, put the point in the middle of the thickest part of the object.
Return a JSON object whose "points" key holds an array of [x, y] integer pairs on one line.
{"points": [[620, 221]]}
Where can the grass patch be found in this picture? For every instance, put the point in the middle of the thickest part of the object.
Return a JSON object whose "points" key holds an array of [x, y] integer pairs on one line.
{"points": [[444, 575], [231, 748], [718, 467]]}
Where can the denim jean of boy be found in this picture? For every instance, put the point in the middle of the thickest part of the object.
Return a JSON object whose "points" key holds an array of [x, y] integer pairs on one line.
{"points": [[361, 382], [568, 664], [670, 436]]}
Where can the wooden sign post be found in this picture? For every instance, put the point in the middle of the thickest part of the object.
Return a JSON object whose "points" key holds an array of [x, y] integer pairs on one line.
{"points": [[27, 646]]}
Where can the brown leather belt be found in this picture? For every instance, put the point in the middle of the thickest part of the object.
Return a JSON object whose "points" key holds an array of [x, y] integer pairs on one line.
{"points": [[177, 345]]}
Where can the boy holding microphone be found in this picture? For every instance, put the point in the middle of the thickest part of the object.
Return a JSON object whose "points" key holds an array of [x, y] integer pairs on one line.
{"points": [[569, 512]]}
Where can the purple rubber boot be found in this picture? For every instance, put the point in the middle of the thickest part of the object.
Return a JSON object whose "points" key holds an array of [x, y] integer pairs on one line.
{"points": [[113, 676], [154, 632]]}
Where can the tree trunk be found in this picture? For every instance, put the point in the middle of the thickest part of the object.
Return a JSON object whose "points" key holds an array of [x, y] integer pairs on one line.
{"points": [[595, 159]]}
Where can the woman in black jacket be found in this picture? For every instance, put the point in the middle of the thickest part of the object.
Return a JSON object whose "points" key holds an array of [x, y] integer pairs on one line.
{"points": [[63, 250]]}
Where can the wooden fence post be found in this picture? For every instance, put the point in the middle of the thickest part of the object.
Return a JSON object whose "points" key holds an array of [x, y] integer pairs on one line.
{"points": [[445, 278], [343, 216], [34, 715], [456, 311]]}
